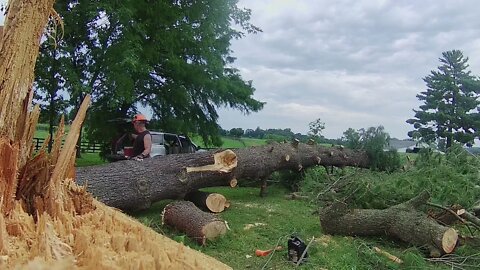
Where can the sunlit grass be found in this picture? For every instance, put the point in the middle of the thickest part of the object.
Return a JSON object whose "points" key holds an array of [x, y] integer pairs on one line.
{"points": [[276, 220]]}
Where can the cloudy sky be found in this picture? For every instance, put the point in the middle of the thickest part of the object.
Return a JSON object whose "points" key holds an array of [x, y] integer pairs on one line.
{"points": [[352, 63]]}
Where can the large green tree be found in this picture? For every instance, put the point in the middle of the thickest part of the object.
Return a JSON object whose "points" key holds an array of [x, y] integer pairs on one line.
{"points": [[173, 57], [450, 108]]}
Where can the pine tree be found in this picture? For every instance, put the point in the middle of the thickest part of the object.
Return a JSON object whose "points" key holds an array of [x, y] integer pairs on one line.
{"points": [[451, 106]]}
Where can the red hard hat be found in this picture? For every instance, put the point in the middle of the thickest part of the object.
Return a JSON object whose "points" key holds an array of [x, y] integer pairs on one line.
{"points": [[139, 117]]}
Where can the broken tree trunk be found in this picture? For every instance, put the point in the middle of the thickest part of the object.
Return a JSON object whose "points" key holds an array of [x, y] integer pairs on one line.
{"points": [[198, 225], [403, 221], [132, 185], [212, 202], [46, 220]]}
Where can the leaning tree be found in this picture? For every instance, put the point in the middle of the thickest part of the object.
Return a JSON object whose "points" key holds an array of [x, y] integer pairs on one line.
{"points": [[450, 109]]}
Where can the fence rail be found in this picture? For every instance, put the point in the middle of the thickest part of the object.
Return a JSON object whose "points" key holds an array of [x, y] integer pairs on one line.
{"points": [[85, 146]]}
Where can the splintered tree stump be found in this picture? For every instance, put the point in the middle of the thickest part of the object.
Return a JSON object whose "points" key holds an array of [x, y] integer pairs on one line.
{"points": [[212, 202], [198, 225], [403, 221]]}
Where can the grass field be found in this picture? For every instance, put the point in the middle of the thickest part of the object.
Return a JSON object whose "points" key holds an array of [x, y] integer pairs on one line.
{"points": [[274, 220], [262, 223]]}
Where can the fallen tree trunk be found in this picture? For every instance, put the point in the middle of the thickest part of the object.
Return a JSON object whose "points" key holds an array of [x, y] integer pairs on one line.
{"points": [[402, 221], [132, 185], [198, 225], [212, 202]]}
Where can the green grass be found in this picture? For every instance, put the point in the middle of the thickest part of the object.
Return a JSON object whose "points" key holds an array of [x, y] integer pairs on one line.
{"points": [[88, 159], [283, 218], [42, 130], [230, 142]]}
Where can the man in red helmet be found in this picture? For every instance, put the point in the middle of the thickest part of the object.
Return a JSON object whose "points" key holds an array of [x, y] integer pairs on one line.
{"points": [[142, 146]]}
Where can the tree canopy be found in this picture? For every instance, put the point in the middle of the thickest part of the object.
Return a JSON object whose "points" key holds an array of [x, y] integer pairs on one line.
{"points": [[315, 129], [450, 109], [173, 57]]}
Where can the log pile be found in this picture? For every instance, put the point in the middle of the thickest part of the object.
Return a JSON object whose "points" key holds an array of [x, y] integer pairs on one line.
{"points": [[46, 220]]}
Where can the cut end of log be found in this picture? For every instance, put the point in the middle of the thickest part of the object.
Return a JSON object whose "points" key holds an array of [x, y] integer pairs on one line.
{"points": [[233, 183], [216, 202], [449, 240], [224, 161], [214, 229]]}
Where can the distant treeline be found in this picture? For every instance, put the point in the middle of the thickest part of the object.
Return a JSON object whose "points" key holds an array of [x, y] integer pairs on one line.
{"points": [[277, 135]]}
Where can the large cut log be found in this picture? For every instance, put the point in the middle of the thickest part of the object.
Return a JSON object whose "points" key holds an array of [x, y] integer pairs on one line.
{"points": [[198, 225], [403, 221], [212, 202], [132, 185]]}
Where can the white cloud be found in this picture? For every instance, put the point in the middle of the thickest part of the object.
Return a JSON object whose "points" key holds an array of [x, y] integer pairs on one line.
{"points": [[351, 63]]}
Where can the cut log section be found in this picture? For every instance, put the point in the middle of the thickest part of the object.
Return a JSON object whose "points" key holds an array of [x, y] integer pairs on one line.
{"points": [[403, 221], [198, 225], [212, 202]]}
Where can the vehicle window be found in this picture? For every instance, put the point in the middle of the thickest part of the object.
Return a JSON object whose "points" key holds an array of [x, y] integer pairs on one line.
{"points": [[157, 139]]}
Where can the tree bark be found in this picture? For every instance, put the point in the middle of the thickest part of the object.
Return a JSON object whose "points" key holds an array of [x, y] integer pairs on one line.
{"points": [[198, 225], [401, 221], [132, 185], [212, 202]]}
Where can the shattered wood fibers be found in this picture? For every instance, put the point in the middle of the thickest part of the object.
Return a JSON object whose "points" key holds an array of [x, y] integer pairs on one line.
{"points": [[46, 220]]}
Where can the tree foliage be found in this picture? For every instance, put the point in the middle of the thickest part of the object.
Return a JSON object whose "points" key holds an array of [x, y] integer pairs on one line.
{"points": [[450, 107], [373, 140], [315, 129], [173, 57]]}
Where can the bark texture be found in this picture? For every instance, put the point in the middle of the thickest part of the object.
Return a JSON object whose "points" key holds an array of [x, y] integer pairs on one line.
{"points": [[198, 225], [402, 222], [131, 185]]}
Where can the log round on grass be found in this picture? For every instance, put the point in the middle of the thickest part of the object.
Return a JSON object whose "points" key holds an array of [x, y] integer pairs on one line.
{"points": [[213, 202], [198, 225]]}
